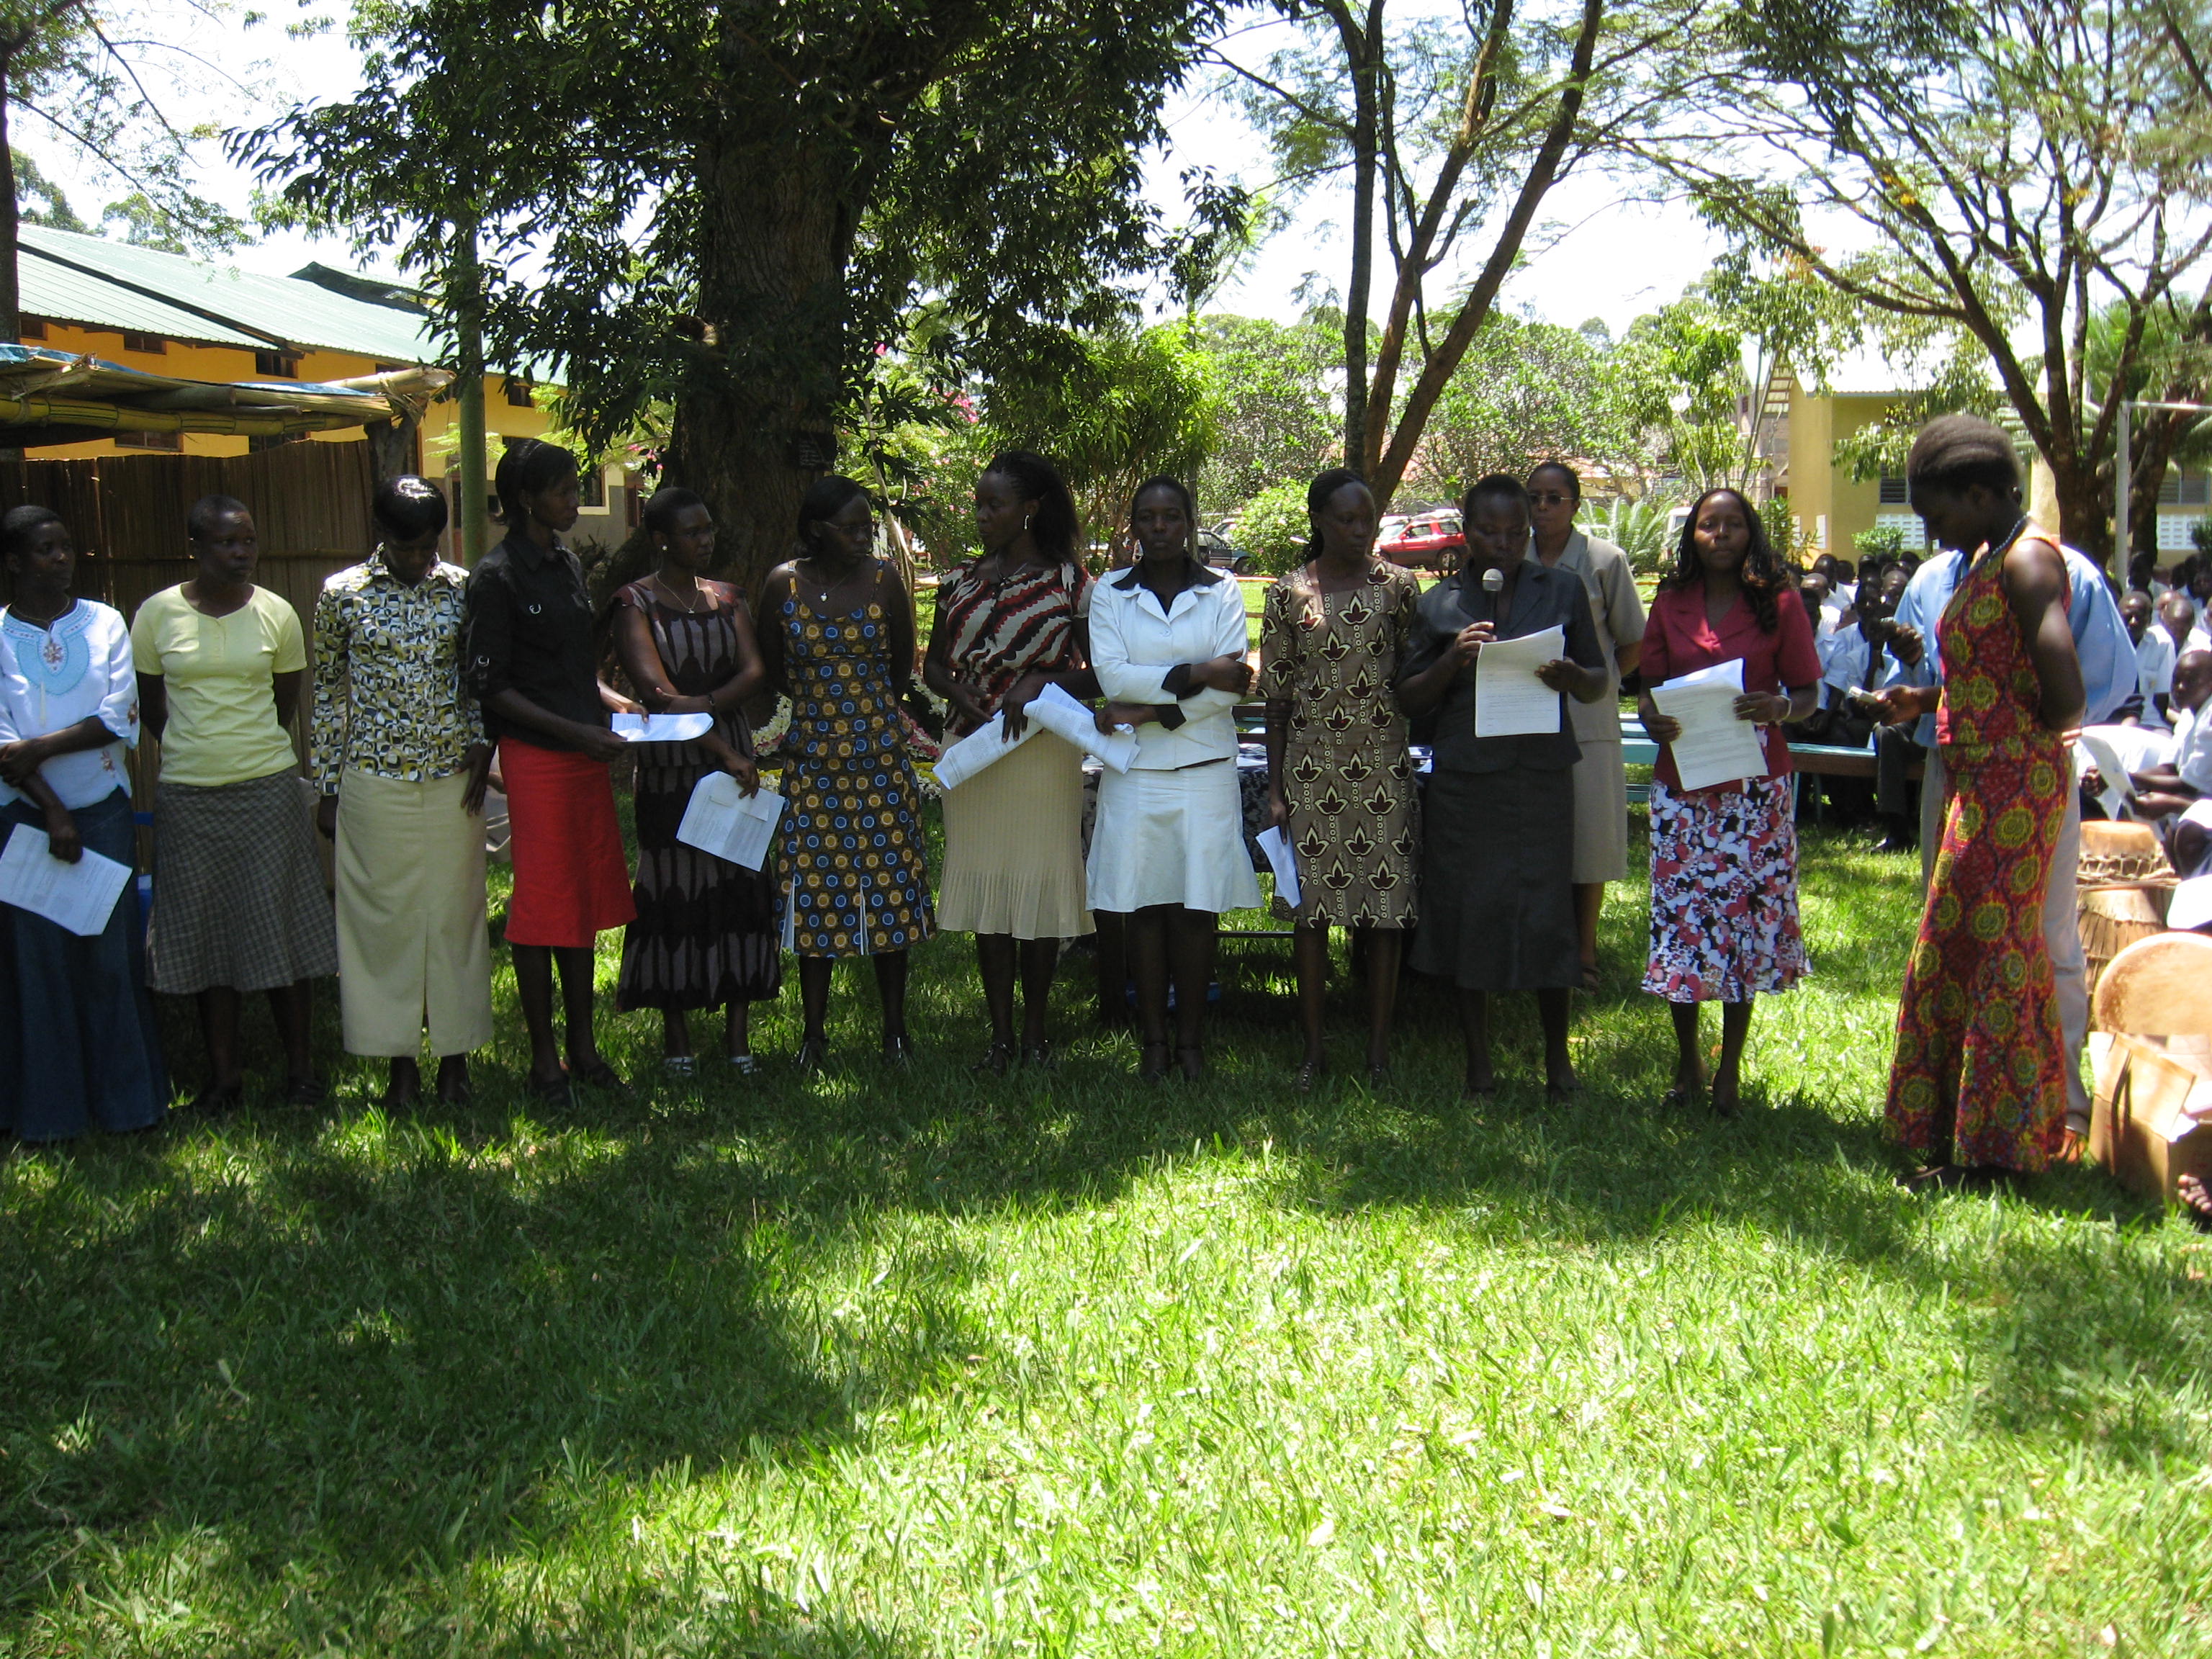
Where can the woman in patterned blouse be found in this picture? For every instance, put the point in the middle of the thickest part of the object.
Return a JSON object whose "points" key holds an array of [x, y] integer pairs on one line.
{"points": [[1340, 780], [399, 755], [1009, 624]]}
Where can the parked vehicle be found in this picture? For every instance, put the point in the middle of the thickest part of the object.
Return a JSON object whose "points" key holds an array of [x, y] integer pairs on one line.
{"points": [[1214, 548], [1429, 541]]}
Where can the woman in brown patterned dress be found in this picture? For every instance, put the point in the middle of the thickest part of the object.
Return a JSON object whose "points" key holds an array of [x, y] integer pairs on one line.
{"points": [[706, 934], [1008, 625], [1339, 782]]}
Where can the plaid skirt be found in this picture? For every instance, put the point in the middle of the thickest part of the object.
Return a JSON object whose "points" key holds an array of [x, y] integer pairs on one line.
{"points": [[238, 888]]}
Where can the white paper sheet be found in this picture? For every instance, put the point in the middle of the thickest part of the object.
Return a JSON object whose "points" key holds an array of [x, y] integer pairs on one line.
{"points": [[963, 758], [1070, 721], [1714, 747], [1510, 701], [1051, 710], [2190, 907], [722, 819], [662, 728], [2094, 749], [1282, 861], [79, 897]]}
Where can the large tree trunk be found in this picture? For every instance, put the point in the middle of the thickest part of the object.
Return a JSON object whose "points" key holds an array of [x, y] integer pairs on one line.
{"points": [[753, 426], [2085, 499], [11, 293], [1363, 57]]}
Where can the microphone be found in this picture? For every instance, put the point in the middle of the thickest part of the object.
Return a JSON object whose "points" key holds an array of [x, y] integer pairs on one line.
{"points": [[1493, 581]]}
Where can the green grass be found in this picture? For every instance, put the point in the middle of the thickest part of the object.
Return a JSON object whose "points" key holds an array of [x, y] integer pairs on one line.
{"points": [[932, 1366]]}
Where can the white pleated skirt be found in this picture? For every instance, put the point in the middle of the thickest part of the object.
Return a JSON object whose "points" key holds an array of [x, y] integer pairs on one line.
{"points": [[1171, 838]]}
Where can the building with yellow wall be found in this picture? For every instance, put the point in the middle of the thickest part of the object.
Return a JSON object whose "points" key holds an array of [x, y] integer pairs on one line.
{"points": [[194, 319]]}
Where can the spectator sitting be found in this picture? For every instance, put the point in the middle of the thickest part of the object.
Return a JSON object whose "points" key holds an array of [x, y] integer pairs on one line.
{"points": [[2164, 790], [2154, 655]]}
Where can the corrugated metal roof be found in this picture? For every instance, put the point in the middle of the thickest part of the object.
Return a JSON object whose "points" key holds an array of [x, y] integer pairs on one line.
{"points": [[302, 313], [71, 296]]}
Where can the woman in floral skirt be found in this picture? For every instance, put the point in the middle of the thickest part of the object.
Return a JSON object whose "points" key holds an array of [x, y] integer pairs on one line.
{"points": [[1724, 858]]}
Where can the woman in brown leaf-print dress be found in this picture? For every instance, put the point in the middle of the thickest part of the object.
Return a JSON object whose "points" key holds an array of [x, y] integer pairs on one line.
{"points": [[1340, 783], [706, 935]]}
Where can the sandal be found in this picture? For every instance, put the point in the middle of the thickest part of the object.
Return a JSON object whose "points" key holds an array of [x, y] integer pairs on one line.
{"points": [[552, 1091], [1152, 1062], [596, 1073], [308, 1091], [742, 1065], [1193, 1061], [1038, 1056], [813, 1054], [1310, 1072], [215, 1102], [997, 1060], [680, 1064]]}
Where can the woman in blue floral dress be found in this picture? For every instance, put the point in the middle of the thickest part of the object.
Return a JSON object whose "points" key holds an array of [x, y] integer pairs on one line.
{"points": [[842, 646]]}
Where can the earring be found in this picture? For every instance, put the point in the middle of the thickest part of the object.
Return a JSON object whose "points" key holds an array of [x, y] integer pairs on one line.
{"points": [[1028, 521]]}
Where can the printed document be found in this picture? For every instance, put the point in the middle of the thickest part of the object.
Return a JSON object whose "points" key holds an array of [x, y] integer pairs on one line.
{"points": [[722, 819], [1510, 701], [662, 728], [1051, 710], [1715, 746], [79, 897], [1281, 859]]}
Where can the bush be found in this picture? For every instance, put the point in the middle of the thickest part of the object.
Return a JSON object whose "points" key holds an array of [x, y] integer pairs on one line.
{"points": [[1637, 528], [1884, 542], [1272, 528], [2200, 534]]}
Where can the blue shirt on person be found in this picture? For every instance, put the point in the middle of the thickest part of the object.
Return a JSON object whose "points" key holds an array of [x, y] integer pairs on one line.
{"points": [[2101, 636]]}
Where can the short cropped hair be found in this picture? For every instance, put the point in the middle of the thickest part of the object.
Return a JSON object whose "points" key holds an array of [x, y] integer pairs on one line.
{"points": [[1958, 451], [209, 511]]}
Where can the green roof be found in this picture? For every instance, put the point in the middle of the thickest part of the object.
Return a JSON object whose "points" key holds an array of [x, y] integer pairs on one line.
{"points": [[104, 284]]}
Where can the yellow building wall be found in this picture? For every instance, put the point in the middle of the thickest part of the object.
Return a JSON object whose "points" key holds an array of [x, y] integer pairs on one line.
{"points": [[1822, 495], [186, 360]]}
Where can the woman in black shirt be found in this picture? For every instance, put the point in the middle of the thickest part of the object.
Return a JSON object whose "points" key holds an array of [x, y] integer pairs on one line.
{"points": [[532, 664]]}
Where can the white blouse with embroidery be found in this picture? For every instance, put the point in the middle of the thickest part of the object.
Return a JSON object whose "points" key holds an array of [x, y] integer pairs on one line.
{"points": [[78, 667]]}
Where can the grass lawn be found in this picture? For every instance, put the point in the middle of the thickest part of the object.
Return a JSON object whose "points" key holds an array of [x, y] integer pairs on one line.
{"points": [[924, 1365]]}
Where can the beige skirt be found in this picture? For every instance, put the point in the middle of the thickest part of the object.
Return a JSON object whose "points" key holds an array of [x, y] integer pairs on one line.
{"points": [[413, 954], [1601, 813], [1013, 846]]}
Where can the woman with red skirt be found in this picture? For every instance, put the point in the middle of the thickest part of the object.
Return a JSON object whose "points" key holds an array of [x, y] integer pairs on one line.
{"points": [[532, 664]]}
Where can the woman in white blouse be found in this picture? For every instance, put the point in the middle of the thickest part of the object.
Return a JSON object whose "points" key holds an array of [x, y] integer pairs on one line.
{"points": [[77, 1034], [1168, 645]]}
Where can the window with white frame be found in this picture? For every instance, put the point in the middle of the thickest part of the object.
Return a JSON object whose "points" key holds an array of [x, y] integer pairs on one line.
{"points": [[1906, 524]]}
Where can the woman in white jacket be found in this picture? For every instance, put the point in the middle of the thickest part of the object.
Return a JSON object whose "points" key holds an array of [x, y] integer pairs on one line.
{"points": [[1168, 645]]}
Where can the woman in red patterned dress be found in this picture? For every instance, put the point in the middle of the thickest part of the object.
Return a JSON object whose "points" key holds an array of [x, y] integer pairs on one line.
{"points": [[1010, 623], [1978, 1082]]}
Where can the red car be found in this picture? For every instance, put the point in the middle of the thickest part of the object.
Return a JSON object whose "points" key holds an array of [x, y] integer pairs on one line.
{"points": [[1429, 541]]}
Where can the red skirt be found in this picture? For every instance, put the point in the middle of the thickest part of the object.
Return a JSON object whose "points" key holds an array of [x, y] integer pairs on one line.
{"points": [[571, 880]]}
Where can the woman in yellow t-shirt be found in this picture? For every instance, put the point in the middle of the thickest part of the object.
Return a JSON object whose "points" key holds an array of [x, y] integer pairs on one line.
{"points": [[238, 902]]}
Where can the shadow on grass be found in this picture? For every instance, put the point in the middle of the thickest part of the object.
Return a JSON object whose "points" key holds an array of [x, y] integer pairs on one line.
{"points": [[326, 1347], [357, 1351]]}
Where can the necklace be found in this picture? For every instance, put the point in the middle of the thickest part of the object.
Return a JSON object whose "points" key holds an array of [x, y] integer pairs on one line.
{"points": [[823, 590], [2005, 546], [687, 610]]}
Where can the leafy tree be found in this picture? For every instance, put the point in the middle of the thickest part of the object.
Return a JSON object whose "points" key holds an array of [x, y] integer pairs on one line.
{"points": [[1458, 129], [1111, 410], [1276, 386], [1526, 392], [89, 73], [40, 201], [1274, 527], [2017, 166], [732, 205]]}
